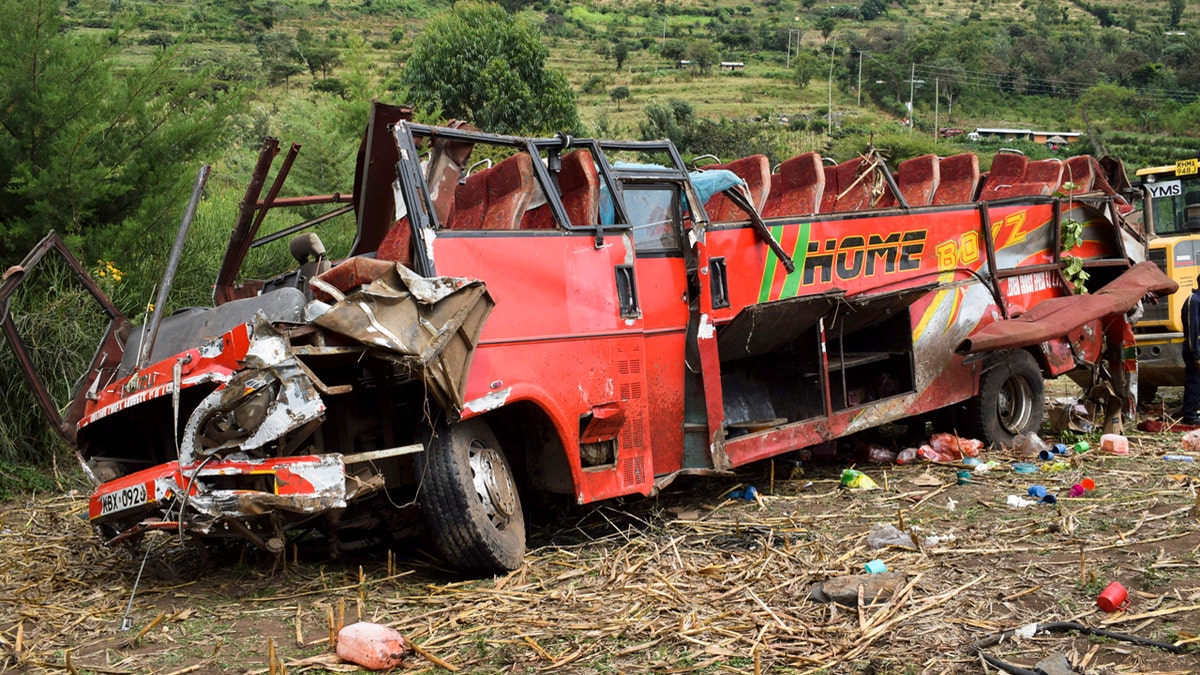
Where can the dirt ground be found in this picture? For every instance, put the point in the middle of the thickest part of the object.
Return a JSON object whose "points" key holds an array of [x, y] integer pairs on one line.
{"points": [[689, 581]]}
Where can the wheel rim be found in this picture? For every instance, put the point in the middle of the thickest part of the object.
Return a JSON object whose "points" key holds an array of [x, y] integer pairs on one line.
{"points": [[493, 484], [1015, 404]]}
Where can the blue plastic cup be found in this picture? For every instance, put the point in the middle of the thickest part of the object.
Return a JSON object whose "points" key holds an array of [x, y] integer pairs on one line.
{"points": [[1049, 499], [1046, 455], [876, 566], [1038, 491]]}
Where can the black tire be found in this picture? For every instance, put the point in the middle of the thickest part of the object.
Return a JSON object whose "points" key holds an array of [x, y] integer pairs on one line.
{"points": [[1011, 400], [470, 501]]}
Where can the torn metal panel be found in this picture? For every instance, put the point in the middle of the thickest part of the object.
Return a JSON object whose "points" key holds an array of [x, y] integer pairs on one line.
{"points": [[428, 326], [1058, 316], [275, 396]]}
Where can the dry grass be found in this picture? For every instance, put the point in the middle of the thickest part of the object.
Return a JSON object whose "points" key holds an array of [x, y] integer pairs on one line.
{"points": [[687, 582]]}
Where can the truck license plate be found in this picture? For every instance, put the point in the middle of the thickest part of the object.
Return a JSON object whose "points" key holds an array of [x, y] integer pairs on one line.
{"points": [[125, 498]]}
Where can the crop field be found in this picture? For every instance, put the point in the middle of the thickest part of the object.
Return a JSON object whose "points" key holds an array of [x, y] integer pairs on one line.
{"points": [[689, 581]]}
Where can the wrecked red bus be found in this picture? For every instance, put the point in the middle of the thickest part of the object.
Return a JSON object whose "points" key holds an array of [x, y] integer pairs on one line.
{"points": [[513, 316]]}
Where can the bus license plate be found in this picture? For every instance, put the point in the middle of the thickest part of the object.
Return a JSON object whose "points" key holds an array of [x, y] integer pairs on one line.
{"points": [[125, 498]]}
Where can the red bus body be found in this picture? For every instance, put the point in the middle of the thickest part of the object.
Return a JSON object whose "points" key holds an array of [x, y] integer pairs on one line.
{"points": [[621, 342]]}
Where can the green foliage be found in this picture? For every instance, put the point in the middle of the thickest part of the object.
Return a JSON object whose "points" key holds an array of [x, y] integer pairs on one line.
{"points": [[619, 94], [703, 54], [725, 138], [479, 63], [806, 67], [83, 150]]}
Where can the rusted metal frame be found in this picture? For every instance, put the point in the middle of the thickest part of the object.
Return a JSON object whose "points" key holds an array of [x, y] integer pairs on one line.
{"points": [[269, 201], [298, 227], [823, 369], [985, 224], [548, 183], [240, 238], [311, 200], [416, 197], [63, 426], [164, 287]]}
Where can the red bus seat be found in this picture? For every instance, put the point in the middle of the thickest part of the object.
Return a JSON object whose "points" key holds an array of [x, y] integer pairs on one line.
{"points": [[579, 185], [1008, 169], [797, 189], [756, 171], [958, 179], [1048, 171], [842, 179], [495, 198]]}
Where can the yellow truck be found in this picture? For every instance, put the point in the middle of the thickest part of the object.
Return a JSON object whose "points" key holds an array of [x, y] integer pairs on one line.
{"points": [[1171, 215]]}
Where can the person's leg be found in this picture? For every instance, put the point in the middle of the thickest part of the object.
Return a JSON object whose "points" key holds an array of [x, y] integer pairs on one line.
{"points": [[1191, 390]]}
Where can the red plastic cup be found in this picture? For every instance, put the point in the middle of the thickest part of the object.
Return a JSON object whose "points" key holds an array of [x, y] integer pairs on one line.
{"points": [[1077, 490], [1114, 597], [1088, 484]]}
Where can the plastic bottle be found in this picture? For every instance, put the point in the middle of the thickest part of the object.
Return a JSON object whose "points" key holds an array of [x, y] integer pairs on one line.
{"points": [[371, 645], [1179, 458], [1115, 444]]}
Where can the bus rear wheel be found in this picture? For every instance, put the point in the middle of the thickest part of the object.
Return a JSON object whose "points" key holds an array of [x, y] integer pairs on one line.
{"points": [[1011, 400]]}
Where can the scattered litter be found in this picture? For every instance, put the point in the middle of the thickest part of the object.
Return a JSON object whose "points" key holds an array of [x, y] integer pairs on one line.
{"points": [[1019, 502], [1037, 491], [370, 645], [1025, 467], [927, 480], [906, 456], [964, 477], [877, 454], [1179, 458], [1055, 665], [1076, 491], [844, 590], [986, 466], [1029, 444], [749, 493], [857, 480], [876, 566], [951, 504], [1191, 440], [1071, 417], [1088, 484], [1114, 597], [886, 534], [946, 447], [1027, 631], [972, 461], [1081, 447], [1055, 467], [1115, 444]]}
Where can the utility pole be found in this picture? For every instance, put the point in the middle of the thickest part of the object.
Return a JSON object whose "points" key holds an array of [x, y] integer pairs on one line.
{"points": [[936, 104], [859, 78], [912, 83], [829, 122], [796, 33]]}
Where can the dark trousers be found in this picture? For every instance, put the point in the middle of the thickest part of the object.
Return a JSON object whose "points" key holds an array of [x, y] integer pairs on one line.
{"points": [[1191, 385]]}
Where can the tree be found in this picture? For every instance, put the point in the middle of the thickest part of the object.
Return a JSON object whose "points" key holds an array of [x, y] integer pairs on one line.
{"points": [[620, 52], [619, 94], [101, 158], [703, 54], [807, 67], [1177, 7], [480, 63]]}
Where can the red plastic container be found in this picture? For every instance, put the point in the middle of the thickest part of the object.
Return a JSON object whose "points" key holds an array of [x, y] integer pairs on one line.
{"points": [[1114, 597], [371, 645]]}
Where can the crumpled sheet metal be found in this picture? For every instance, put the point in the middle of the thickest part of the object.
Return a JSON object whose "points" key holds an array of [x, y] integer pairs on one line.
{"points": [[1058, 316], [303, 485], [296, 402], [430, 325]]}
